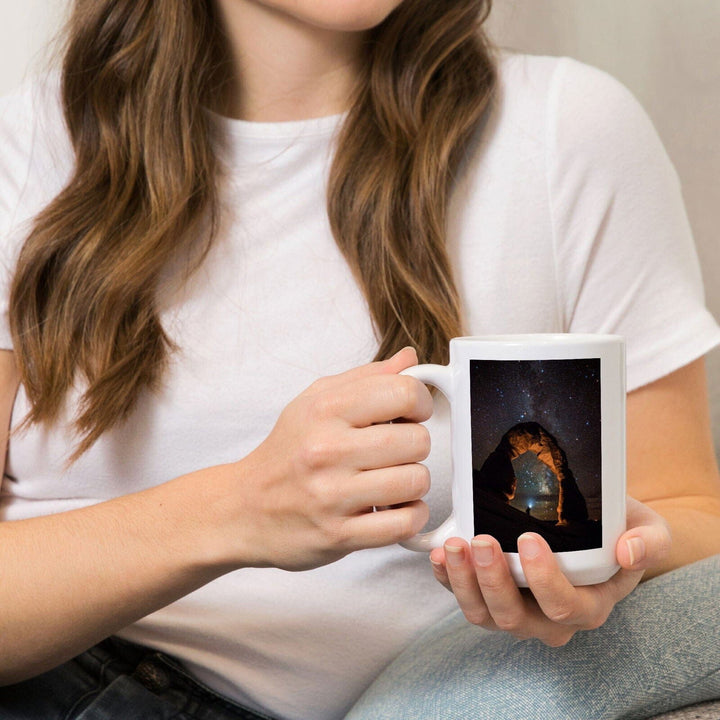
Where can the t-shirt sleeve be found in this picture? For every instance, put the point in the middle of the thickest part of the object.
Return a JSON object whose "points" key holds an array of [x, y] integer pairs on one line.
{"points": [[625, 256]]}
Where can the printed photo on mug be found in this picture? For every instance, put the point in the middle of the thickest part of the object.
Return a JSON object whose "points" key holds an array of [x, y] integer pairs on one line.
{"points": [[536, 451]]}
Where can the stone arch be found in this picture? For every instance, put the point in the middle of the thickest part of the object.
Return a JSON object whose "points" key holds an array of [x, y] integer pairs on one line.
{"points": [[497, 475]]}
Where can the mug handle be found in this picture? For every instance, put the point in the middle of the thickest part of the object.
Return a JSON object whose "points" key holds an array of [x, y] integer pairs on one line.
{"points": [[441, 377]]}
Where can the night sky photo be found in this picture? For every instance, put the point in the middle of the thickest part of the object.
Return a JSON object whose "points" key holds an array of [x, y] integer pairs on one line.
{"points": [[536, 450]]}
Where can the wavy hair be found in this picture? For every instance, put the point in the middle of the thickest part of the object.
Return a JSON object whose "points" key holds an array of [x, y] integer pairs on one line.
{"points": [[137, 76]]}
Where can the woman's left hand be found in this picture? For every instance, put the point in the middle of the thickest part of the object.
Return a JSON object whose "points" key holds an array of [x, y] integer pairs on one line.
{"points": [[551, 609]]}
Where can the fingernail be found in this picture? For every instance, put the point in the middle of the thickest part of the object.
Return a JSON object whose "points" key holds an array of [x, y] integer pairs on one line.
{"points": [[407, 347], [528, 547], [636, 549], [482, 552], [455, 555], [436, 564]]}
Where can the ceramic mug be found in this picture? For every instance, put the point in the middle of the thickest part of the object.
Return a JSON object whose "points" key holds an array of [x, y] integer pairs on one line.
{"points": [[538, 445]]}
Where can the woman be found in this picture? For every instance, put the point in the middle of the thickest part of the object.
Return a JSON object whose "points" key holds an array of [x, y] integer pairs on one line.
{"points": [[190, 328]]}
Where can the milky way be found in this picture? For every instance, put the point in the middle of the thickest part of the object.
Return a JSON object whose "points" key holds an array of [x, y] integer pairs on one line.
{"points": [[562, 395]]}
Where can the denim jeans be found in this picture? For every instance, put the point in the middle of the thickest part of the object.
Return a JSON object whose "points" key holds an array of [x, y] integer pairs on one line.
{"points": [[117, 680], [659, 650]]}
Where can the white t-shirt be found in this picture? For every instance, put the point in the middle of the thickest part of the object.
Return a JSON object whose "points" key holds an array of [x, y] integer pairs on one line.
{"points": [[567, 217]]}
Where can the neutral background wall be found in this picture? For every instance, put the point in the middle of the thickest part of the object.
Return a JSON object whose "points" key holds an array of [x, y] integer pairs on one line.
{"points": [[665, 51]]}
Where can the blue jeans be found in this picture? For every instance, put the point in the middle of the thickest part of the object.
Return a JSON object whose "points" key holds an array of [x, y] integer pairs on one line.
{"points": [[659, 650], [117, 680]]}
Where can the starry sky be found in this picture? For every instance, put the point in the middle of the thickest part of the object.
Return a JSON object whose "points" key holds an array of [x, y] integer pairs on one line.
{"points": [[561, 395]]}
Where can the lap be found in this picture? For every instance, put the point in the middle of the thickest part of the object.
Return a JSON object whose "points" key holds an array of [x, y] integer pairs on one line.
{"points": [[660, 649]]}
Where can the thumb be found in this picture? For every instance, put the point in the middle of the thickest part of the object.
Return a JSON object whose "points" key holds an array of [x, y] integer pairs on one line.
{"points": [[644, 546]]}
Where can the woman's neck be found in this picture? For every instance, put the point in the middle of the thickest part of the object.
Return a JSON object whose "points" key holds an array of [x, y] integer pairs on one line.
{"points": [[283, 68]]}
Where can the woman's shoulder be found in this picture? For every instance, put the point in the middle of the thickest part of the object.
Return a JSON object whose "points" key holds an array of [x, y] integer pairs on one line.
{"points": [[576, 110], [542, 78], [556, 125]]}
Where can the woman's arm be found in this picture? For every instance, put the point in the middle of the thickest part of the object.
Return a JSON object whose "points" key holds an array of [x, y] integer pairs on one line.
{"points": [[671, 462], [300, 500]]}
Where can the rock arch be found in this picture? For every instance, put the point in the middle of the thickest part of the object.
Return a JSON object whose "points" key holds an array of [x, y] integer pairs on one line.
{"points": [[497, 475]]}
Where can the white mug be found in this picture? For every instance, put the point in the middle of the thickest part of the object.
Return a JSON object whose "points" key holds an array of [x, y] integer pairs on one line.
{"points": [[538, 445]]}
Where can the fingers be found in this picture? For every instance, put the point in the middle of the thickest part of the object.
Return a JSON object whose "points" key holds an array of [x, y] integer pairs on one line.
{"points": [[381, 446], [464, 583], [358, 449], [551, 610], [388, 526], [381, 398], [437, 561], [486, 594], [495, 602], [560, 602], [373, 393], [388, 486], [502, 597], [402, 360]]}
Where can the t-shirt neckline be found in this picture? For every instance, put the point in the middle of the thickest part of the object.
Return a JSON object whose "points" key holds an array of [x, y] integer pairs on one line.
{"points": [[281, 130]]}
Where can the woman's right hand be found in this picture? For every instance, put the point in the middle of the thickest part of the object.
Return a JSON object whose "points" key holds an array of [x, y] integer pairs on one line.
{"points": [[305, 496], [302, 499]]}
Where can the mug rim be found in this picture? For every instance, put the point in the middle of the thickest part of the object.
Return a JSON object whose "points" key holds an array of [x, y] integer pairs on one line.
{"points": [[538, 338]]}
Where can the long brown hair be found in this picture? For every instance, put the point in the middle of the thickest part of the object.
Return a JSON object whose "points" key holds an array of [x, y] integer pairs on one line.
{"points": [[136, 77]]}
